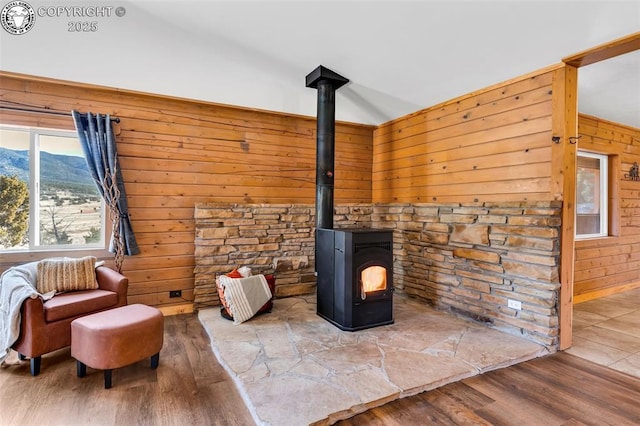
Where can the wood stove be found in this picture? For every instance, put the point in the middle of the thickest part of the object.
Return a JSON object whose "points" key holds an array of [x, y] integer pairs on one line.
{"points": [[354, 266], [355, 277]]}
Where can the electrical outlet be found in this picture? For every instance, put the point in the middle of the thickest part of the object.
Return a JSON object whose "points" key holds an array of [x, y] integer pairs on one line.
{"points": [[514, 304], [175, 293]]}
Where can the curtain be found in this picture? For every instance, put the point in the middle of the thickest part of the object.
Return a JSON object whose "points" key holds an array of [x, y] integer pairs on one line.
{"points": [[99, 146]]}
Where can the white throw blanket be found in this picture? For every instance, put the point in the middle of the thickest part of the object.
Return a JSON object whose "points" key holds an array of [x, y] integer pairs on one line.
{"points": [[245, 296], [16, 285]]}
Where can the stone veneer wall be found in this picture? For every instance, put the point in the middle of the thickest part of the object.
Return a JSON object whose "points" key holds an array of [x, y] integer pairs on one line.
{"points": [[472, 259], [269, 238], [468, 258]]}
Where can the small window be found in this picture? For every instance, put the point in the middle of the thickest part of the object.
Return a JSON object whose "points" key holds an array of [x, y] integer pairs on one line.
{"points": [[50, 199], [591, 196]]}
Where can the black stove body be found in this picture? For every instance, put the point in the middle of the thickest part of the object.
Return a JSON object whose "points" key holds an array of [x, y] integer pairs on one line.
{"points": [[355, 277]]}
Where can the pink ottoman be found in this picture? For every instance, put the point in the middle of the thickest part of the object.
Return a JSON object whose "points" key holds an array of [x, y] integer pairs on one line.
{"points": [[116, 338]]}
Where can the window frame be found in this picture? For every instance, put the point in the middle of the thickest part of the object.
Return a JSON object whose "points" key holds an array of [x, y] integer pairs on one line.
{"points": [[97, 248], [604, 182]]}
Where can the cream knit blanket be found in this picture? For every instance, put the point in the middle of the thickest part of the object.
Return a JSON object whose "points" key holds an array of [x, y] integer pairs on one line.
{"points": [[17, 284], [245, 296]]}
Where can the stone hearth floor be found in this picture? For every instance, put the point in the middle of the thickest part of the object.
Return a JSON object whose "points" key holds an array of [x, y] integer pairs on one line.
{"points": [[294, 368]]}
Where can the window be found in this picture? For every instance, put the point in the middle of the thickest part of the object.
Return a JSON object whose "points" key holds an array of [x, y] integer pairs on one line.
{"points": [[591, 195], [50, 200]]}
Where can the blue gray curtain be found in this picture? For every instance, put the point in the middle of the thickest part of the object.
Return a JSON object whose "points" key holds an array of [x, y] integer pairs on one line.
{"points": [[99, 145]]}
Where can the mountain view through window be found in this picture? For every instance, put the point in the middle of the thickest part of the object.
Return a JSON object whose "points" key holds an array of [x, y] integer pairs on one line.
{"points": [[49, 198]]}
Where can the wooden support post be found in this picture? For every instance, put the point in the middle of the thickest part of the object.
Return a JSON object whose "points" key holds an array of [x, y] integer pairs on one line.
{"points": [[563, 186]]}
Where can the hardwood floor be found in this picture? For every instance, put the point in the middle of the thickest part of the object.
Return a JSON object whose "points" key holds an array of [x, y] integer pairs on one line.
{"points": [[190, 387], [560, 389]]}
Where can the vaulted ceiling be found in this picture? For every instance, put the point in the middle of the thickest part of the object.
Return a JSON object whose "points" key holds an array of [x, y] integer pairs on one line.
{"points": [[400, 56]]}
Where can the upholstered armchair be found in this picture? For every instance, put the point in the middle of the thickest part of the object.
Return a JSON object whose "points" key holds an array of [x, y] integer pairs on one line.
{"points": [[46, 325]]}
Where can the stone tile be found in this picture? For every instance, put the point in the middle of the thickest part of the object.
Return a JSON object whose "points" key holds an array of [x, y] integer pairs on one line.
{"points": [[629, 365], [282, 365], [414, 372], [309, 368], [293, 358], [371, 386], [614, 339], [631, 317], [255, 373], [349, 358], [596, 352], [239, 356], [614, 342], [228, 331], [307, 346], [304, 400], [627, 324], [420, 338], [582, 319], [632, 296], [608, 308], [315, 331], [485, 349], [275, 342]]}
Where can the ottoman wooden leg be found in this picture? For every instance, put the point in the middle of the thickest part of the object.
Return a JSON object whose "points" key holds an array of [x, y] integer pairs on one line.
{"points": [[107, 379], [155, 360], [81, 368]]}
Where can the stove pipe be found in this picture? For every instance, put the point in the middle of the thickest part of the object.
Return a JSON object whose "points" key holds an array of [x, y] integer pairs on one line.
{"points": [[326, 82]]}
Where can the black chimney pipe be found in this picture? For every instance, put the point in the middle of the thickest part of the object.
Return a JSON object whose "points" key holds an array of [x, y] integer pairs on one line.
{"points": [[327, 82]]}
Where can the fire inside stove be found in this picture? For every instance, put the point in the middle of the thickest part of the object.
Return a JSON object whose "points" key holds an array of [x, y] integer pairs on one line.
{"points": [[373, 278], [355, 277]]}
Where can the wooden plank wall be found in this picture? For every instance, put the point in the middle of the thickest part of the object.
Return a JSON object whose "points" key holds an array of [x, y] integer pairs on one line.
{"points": [[609, 265], [175, 153], [491, 145]]}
